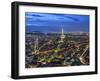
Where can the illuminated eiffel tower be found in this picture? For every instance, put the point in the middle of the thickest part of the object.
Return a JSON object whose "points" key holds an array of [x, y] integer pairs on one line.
{"points": [[62, 36], [36, 50]]}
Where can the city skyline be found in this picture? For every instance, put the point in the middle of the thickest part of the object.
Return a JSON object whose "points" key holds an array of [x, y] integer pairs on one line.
{"points": [[47, 22]]}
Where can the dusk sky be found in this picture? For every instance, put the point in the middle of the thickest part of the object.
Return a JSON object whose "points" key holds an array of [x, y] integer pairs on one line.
{"points": [[48, 22]]}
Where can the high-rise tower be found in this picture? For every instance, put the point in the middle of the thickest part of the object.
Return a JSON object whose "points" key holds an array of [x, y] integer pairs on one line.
{"points": [[36, 46], [62, 36]]}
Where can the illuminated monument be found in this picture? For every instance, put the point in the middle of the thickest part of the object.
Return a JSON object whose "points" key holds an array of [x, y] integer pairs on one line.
{"points": [[36, 46], [62, 36]]}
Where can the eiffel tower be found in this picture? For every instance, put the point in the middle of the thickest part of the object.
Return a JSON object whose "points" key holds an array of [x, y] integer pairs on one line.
{"points": [[36, 50], [62, 36]]}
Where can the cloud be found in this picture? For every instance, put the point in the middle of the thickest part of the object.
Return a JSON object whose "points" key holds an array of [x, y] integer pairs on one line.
{"points": [[54, 21]]}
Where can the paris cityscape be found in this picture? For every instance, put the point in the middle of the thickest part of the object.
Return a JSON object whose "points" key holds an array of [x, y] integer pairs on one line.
{"points": [[55, 46]]}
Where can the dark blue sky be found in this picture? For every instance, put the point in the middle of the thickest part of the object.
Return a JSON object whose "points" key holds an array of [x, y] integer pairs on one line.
{"points": [[48, 22]]}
